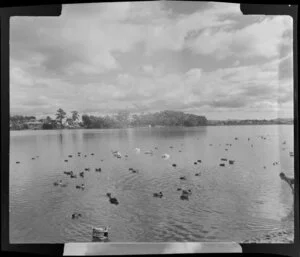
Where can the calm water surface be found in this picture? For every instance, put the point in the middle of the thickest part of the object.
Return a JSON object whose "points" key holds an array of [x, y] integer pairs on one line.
{"points": [[230, 203]]}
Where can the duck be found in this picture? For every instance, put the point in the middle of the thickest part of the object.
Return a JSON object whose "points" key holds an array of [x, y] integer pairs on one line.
{"points": [[73, 176], [17, 162], [56, 183], [231, 161], [197, 174], [183, 178], [199, 161], [179, 189], [174, 165], [99, 169], [134, 171], [165, 156], [117, 154], [66, 160], [149, 152], [92, 153], [76, 215], [80, 187], [87, 169], [81, 174], [223, 159], [70, 156], [32, 158], [112, 200], [184, 197], [187, 192], [195, 163], [222, 164], [160, 195]]}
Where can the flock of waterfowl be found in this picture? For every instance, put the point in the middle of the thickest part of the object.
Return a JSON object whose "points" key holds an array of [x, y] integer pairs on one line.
{"points": [[185, 193]]}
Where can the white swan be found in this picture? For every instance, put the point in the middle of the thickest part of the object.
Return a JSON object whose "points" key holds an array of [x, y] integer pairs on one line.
{"points": [[165, 156], [137, 150]]}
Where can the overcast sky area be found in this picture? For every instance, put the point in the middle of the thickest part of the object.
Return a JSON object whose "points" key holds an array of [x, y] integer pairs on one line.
{"points": [[195, 57]]}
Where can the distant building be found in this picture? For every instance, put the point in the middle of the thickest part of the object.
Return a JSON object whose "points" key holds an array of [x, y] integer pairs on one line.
{"points": [[34, 124]]}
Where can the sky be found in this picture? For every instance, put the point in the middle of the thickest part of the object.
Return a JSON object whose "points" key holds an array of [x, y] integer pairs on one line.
{"points": [[204, 58]]}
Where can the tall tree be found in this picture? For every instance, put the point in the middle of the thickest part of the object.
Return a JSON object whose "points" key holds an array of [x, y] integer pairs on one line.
{"points": [[48, 119], [75, 115], [60, 115], [123, 117]]}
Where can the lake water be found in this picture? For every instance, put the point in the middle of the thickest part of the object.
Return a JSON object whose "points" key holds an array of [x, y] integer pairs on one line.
{"points": [[230, 203]]}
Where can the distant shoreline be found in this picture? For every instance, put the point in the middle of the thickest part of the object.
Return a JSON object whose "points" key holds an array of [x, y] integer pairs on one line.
{"points": [[207, 125]]}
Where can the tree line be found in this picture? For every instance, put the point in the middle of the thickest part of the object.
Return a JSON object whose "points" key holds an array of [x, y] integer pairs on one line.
{"points": [[122, 119]]}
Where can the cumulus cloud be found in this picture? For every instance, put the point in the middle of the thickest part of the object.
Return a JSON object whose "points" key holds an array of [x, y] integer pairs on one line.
{"points": [[149, 56]]}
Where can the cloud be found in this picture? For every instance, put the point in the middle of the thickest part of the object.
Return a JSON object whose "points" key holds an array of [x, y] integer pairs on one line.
{"points": [[261, 39], [146, 56]]}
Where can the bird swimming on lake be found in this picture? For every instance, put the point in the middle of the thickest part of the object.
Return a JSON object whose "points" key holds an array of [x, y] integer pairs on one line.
{"points": [[174, 165], [76, 215], [185, 194], [160, 194], [165, 156], [112, 200], [81, 174], [80, 187], [183, 178], [117, 154], [56, 183], [149, 152], [184, 197]]}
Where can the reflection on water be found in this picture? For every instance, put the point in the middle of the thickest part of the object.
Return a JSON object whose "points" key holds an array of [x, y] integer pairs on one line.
{"points": [[227, 203]]}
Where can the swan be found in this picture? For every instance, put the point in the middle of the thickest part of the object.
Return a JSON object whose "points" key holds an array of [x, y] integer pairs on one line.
{"points": [[137, 150], [165, 156]]}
